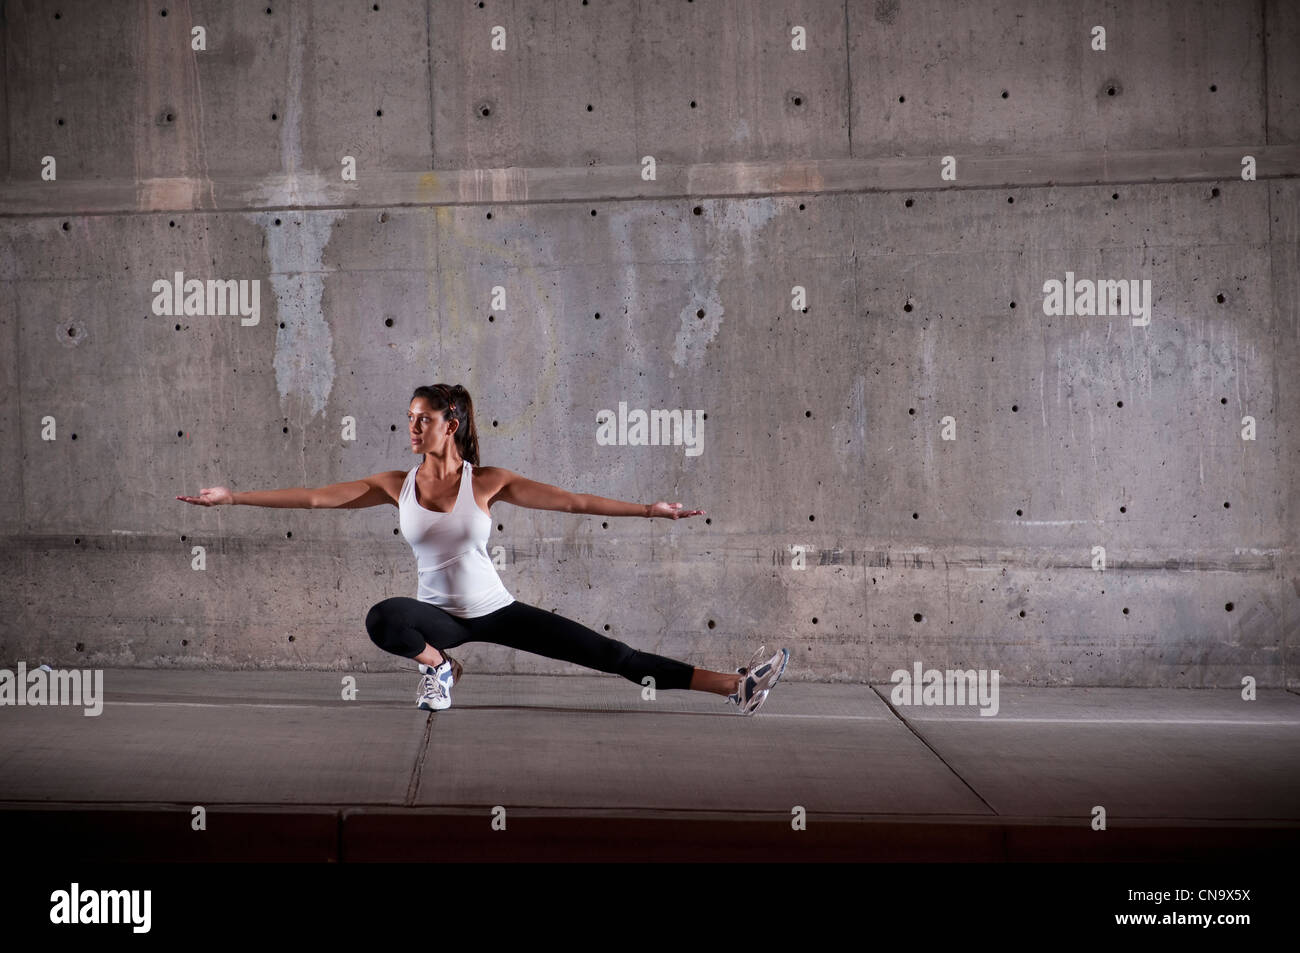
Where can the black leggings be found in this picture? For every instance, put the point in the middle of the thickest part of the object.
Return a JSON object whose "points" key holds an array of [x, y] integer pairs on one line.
{"points": [[403, 625]]}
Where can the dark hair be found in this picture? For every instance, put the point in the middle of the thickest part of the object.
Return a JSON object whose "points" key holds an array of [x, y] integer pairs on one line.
{"points": [[454, 402]]}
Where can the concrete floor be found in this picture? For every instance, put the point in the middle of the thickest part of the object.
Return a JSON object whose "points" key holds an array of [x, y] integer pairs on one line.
{"points": [[583, 768]]}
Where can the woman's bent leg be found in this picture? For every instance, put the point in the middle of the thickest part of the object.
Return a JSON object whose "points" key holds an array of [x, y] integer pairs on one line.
{"points": [[530, 629], [408, 627]]}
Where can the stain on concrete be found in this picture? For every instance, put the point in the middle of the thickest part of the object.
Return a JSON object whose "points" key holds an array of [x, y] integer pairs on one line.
{"points": [[726, 222], [304, 353], [304, 347]]}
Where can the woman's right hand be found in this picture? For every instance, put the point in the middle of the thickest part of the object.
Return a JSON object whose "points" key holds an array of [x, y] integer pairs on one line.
{"points": [[210, 496]]}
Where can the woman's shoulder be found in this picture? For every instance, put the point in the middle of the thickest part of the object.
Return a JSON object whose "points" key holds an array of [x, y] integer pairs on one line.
{"points": [[492, 477]]}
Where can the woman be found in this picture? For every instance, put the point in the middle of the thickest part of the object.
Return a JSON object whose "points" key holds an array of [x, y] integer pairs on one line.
{"points": [[443, 514]]}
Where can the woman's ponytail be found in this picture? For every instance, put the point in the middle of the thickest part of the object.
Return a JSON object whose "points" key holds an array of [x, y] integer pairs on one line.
{"points": [[467, 433]]}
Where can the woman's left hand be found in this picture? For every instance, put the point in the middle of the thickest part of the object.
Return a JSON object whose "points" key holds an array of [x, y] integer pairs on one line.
{"points": [[672, 511]]}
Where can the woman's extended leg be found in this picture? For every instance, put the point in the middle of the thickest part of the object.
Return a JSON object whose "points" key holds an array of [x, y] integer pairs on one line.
{"points": [[530, 629]]}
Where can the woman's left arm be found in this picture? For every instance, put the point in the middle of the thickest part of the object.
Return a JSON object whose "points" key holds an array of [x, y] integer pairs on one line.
{"points": [[542, 496]]}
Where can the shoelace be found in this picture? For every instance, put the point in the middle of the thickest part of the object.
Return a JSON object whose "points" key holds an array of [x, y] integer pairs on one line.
{"points": [[738, 698], [430, 686], [758, 657], [746, 705]]}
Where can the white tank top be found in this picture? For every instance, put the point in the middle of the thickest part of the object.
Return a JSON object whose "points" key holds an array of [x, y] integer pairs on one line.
{"points": [[450, 549]]}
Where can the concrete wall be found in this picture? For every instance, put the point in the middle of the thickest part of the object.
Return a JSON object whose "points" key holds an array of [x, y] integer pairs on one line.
{"points": [[773, 168]]}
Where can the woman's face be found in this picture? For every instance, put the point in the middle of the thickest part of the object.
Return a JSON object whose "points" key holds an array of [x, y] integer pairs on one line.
{"points": [[428, 431]]}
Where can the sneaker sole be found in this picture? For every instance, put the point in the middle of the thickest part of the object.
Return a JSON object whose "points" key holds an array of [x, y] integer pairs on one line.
{"points": [[761, 697], [430, 706]]}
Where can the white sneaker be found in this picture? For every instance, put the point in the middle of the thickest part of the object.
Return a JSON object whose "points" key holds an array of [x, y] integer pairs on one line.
{"points": [[758, 681], [435, 686]]}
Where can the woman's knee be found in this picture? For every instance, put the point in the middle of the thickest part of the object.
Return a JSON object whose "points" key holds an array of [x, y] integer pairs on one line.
{"points": [[379, 621]]}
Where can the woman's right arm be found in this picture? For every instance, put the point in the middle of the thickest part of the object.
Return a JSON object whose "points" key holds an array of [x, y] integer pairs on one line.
{"points": [[374, 490]]}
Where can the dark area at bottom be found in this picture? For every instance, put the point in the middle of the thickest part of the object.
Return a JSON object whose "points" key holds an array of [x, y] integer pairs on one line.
{"points": [[348, 835]]}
